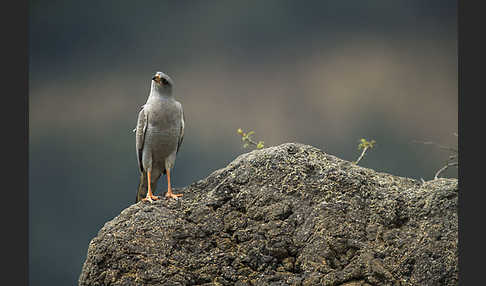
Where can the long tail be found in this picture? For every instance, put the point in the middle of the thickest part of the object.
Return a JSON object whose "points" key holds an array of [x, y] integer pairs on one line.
{"points": [[142, 187]]}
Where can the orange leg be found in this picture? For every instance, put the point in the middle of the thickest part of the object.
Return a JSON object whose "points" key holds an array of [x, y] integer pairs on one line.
{"points": [[170, 194], [150, 197]]}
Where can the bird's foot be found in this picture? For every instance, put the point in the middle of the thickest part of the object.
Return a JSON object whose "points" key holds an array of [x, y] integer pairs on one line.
{"points": [[151, 198], [172, 195]]}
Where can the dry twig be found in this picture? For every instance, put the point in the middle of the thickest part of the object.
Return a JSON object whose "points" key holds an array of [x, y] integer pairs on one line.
{"points": [[453, 153]]}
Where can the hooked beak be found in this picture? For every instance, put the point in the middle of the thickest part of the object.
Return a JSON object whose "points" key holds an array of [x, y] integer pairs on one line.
{"points": [[156, 78]]}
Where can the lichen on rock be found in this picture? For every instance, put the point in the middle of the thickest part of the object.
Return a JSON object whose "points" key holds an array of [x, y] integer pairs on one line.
{"points": [[285, 215]]}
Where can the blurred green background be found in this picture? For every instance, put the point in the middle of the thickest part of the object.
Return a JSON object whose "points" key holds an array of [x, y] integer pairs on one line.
{"points": [[324, 73]]}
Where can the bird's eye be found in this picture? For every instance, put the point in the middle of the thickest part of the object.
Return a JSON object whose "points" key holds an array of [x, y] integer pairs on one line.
{"points": [[164, 81]]}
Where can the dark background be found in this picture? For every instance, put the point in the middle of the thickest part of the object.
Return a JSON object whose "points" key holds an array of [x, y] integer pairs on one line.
{"points": [[324, 73]]}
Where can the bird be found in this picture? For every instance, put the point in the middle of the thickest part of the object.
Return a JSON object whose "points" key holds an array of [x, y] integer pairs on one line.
{"points": [[159, 134]]}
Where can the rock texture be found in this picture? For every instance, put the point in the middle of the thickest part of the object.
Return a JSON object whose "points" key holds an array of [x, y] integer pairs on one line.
{"points": [[285, 215]]}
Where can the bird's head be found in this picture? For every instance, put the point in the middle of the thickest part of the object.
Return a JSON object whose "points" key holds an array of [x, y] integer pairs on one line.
{"points": [[162, 81]]}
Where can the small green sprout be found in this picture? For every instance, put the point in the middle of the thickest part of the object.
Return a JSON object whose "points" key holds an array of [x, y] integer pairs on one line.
{"points": [[365, 145], [247, 141]]}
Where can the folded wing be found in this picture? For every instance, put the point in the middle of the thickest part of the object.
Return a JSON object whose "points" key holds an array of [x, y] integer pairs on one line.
{"points": [[142, 122], [181, 134]]}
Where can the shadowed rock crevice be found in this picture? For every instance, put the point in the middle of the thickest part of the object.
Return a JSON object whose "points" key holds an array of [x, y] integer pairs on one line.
{"points": [[285, 215]]}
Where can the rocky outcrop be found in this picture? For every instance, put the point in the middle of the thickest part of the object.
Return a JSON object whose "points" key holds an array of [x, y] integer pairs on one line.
{"points": [[285, 215]]}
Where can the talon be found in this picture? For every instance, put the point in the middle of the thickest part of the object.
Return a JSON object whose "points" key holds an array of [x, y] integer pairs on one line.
{"points": [[173, 196], [169, 193], [151, 198]]}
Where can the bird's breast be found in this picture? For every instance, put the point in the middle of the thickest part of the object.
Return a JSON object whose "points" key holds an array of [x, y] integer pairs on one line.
{"points": [[164, 115], [161, 142]]}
